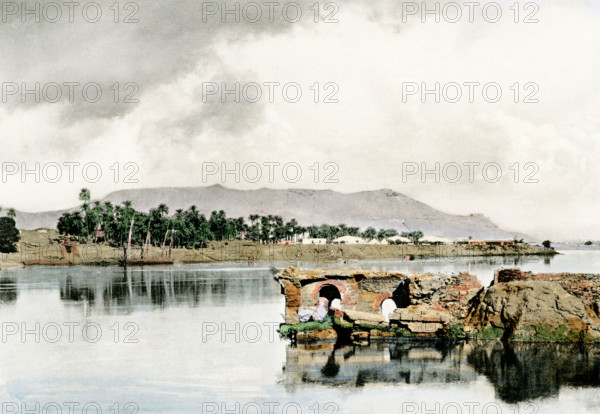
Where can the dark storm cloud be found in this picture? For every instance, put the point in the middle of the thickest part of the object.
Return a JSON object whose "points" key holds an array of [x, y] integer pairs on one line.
{"points": [[169, 40]]}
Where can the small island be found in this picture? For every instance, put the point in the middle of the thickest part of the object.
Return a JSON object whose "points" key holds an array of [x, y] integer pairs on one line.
{"points": [[363, 304]]}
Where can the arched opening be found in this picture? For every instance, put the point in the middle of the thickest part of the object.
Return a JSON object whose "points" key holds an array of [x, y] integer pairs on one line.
{"points": [[387, 307], [401, 295], [330, 292]]}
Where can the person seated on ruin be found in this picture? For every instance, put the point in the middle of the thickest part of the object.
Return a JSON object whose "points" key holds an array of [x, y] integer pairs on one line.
{"points": [[322, 309], [304, 315]]}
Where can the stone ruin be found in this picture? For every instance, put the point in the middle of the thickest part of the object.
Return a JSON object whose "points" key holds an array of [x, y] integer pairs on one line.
{"points": [[423, 303], [517, 305]]}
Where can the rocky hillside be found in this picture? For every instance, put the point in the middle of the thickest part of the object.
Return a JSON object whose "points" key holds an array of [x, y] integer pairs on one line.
{"points": [[382, 208]]}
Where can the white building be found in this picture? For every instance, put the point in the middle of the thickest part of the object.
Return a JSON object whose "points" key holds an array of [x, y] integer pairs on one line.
{"points": [[349, 240], [436, 240], [400, 238], [314, 241]]}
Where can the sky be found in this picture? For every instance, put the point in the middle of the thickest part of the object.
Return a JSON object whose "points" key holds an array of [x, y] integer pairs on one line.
{"points": [[478, 113]]}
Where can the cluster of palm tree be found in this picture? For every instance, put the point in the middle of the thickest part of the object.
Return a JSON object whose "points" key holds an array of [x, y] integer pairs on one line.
{"points": [[329, 232], [112, 223], [11, 212], [189, 228]]}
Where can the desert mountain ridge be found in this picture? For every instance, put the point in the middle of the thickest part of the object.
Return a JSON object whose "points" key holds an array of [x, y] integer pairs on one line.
{"points": [[380, 208]]}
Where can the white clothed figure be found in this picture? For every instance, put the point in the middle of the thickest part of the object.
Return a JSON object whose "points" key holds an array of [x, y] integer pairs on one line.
{"points": [[322, 309], [304, 314]]}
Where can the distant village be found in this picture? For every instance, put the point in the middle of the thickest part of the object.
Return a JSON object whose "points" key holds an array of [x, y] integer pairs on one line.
{"points": [[431, 240]]}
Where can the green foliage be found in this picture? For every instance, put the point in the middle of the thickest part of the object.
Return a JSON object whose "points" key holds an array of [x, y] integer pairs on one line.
{"points": [[370, 233], [588, 243], [344, 325], [386, 233], [491, 332], [453, 331], [85, 195], [329, 232], [415, 236], [9, 235], [288, 330], [398, 332], [547, 244], [190, 228], [546, 334]]}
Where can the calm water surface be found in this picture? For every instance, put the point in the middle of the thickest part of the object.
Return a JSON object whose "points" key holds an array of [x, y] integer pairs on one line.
{"points": [[190, 338]]}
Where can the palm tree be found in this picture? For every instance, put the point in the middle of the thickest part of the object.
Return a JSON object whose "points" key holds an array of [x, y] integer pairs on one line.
{"points": [[354, 231], [254, 231], [313, 231], [369, 233], [279, 228], [290, 229], [413, 235], [11, 213], [265, 228], [85, 195], [108, 220]]}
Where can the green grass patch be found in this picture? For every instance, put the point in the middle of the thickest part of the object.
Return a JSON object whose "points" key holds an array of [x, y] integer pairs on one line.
{"points": [[341, 324], [403, 333], [491, 332], [398, 332], [288, 330], [455, 331], [545, 334]]}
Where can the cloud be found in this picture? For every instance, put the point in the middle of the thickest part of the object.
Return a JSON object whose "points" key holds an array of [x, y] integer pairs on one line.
{"points": [[369, 55]]}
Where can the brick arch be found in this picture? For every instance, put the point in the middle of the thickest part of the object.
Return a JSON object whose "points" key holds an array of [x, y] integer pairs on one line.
{"points": [[380, 299], [340, 286]]}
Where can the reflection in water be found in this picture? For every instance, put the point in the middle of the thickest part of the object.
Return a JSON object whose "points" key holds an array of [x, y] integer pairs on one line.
{"points": [[524, 371], [380, 362], [518, 372], [124, 290], [8, 290], [69, 292], [171, 363]]}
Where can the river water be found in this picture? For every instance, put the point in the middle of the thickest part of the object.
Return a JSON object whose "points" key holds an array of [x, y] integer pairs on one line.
{"points": [[201, 338]]}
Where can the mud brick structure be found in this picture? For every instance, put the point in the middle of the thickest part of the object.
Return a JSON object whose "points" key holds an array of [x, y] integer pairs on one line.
{"points": [[422, 303]]}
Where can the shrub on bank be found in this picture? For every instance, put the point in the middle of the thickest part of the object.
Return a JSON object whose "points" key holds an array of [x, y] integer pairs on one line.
{"points": [[288, 330], [561, 333]]}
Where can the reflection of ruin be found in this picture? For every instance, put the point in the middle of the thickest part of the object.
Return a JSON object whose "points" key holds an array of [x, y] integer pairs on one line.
{"points": [[518, 372], [379, 362], [523, 371]]}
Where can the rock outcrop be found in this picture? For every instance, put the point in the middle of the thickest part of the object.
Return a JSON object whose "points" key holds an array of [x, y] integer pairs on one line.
{"points": [[521, 305]]}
